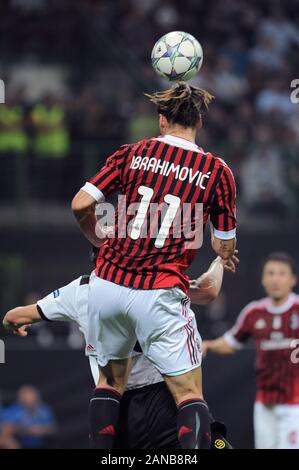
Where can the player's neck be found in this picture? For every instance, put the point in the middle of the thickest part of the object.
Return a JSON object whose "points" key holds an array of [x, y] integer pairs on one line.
{"points": [[187, 134], [281, 301]]}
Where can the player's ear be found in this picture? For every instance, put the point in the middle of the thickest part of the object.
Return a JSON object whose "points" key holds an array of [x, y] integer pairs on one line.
{"points": [[163, 123]]}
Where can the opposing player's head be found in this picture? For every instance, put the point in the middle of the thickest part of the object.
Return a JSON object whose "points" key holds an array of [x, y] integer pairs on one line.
{"points": [[180, 106], [279, 275]]}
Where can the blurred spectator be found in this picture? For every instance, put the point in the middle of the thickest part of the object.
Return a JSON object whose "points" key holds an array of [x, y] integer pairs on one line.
{"points": [[237, 53], [263, 177], [264, 54], [28, 423], [143, 123], [51, 138], [166, 15], [13, 145], [275, 97], [38, 79], [228, 86], [280, 29], [51, 144]]}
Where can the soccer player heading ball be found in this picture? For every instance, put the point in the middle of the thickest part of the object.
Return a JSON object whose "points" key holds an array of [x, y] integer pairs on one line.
{"points": [[139, 291]]}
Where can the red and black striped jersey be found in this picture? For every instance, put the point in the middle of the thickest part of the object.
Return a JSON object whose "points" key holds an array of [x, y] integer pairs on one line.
{"points": [[276, 332], [170, 174]]}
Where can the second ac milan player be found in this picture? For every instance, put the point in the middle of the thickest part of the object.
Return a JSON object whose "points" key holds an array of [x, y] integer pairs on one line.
{"points": [[139, 291], [273, 322]]}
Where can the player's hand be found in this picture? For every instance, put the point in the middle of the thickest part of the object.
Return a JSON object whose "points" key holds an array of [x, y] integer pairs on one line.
{"points": [[21, 330], [230, 264]]}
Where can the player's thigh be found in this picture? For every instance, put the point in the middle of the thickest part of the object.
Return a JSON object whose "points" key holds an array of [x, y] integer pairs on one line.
{"points": [[167, 331], [265, 426], [288, 426], [115, 374], [109, 326]]}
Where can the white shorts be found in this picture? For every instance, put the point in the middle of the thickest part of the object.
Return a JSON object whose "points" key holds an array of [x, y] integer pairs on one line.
{"points": [[276, 426], [161, 320]]}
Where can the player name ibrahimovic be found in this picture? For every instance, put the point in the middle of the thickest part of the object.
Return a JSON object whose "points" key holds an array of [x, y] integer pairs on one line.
{"points": [[165, 168]]}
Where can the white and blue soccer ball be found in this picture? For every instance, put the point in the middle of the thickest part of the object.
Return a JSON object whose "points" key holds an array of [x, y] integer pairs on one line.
{"points": [[177, 56]]}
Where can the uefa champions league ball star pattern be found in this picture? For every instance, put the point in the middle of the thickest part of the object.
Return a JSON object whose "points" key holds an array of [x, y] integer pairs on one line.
{"points": [[177, 56]]}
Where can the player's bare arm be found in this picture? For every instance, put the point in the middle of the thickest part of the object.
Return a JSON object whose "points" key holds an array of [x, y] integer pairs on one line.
{"points": [[83, 206], [218, 346], [19, 319], [206, 288]]}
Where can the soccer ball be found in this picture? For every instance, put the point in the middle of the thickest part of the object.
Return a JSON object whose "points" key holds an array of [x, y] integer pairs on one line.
{"points": [[177, 56]]}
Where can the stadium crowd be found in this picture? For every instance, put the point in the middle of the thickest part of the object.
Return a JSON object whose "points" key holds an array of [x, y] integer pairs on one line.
{"points": [[75, 72]]}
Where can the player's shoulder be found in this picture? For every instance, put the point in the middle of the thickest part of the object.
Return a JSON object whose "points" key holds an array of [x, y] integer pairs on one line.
{"points": [[135, 146], [254, 306], [218, 161], [295, 299]]}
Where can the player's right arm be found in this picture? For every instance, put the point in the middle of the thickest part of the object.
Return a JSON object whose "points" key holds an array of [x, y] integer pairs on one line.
{"points": [[95, 191], [19, 319], [223, 215], [234, 338]]}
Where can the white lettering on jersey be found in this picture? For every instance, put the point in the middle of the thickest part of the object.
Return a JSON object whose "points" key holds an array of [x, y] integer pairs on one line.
{"points": [[164, 168]]}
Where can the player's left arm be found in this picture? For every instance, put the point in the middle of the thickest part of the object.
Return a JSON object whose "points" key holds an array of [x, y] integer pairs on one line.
{"points": [[223, 215], [19, 319], [83, 206], [206, 288]]}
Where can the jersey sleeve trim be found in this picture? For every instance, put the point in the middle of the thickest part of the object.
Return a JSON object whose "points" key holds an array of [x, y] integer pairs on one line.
{"points": [[231, 340], [225, 235], [93, 191], [41, 313]]}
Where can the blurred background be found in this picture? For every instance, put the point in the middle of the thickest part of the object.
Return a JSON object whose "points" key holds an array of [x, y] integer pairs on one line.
{"points": [[74, 74]]}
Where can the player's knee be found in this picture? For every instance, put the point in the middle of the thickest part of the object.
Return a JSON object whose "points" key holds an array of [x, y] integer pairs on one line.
{"points": [[113, 386], [179, 399], [109, 382]]}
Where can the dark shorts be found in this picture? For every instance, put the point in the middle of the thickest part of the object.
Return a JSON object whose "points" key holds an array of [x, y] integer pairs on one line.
{"points": [[148, 419]]}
